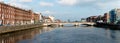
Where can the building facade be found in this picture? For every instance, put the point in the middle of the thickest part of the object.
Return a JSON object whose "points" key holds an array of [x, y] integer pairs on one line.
{"points": [[36, 18], [92, 19], [10, 15], [52, 18], [118, 15], [49, 19], [114, 15], [106, 17]]}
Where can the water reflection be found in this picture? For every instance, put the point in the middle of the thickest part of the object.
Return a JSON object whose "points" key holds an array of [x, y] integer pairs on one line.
{"points": [[74, 35], [22, 35], [115, 35], [79, 34]]}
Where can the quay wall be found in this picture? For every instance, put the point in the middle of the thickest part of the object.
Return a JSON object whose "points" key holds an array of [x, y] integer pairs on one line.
{"points": [[108, 25], [7, 29]]}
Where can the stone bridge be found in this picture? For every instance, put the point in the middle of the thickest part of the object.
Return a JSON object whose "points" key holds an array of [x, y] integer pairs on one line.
{"points": [[73, 23]]}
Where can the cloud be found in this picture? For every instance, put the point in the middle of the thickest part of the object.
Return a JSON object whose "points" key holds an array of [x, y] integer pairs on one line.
{"points": [[67, 2], [25, 0], [46, 4], [20, 5], [12, 1], [16, 3], [86, 0], [48, 12], [1, 0], [20, 0], [73, 2], [111, 5]]}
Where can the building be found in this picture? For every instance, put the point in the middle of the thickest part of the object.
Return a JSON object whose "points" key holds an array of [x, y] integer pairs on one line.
{"points": [[58, 21], [36, 18], [114, 15], [52, 18], [92, 19], [106, 17], [100, 18], [118, 15], [7, 15], [49, 19], [40, 17], [10, 15]]}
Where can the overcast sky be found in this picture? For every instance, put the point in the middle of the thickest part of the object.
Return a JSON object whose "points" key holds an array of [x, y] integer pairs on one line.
{"points": [[67, 9]]}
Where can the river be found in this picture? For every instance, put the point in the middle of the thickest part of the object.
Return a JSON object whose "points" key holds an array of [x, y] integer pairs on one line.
{"points": [[67, 34]]}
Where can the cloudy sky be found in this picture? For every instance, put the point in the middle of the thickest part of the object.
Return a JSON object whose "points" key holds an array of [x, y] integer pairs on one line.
{"points": [[67, 9]]}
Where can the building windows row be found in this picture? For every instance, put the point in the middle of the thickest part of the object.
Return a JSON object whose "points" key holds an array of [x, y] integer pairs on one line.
{"points": [[7, 11], [9, 16], [12, 13]]}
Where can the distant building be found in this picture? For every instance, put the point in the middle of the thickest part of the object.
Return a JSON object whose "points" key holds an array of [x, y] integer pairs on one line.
{"points": [[40, 18], [106, 17], [100, 18], [52, 18], [58, 21], [118, 15], [49, 19], [88, 19], [91, 19], [114, 15]]}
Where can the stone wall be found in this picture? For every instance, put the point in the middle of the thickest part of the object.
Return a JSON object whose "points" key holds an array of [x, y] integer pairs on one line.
{"points": [[6, 29]]}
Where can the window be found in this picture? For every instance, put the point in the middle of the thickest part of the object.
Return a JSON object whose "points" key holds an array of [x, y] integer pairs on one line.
{"points": [[0, 15]]}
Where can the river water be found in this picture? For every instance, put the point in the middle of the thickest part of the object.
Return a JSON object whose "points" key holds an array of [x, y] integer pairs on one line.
{"points": [[67, 34]]}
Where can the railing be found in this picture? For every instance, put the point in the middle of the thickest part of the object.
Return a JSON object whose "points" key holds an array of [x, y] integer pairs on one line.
{"points": [[78, 23], [70, 22]]}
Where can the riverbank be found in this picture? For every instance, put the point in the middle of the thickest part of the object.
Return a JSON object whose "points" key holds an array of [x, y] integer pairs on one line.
{"points": [[8, 29], [108, 25]]}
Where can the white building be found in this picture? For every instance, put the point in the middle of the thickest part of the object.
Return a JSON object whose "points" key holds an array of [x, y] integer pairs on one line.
{"points": [[40, 17], [48, 19], [52, 18]]}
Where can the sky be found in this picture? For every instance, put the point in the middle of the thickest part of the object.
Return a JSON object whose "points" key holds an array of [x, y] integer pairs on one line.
{"points": [[67, 9]]}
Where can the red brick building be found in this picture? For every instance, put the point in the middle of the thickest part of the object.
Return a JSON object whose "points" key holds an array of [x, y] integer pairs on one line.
{"points": [[36, 18], [91, 19], [16, 16], [106, 17]]}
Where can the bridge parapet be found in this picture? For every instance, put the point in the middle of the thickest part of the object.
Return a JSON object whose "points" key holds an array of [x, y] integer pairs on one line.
{"points": [[78, 23]]}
